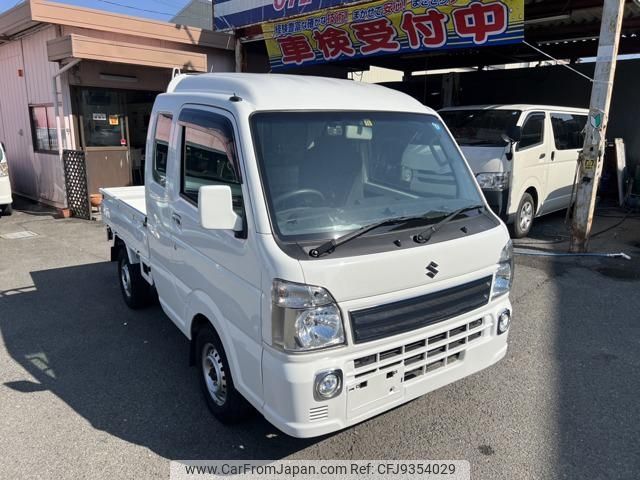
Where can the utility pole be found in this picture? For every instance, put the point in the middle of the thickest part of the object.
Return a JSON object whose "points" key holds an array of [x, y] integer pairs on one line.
{"points": [[590, 160]]}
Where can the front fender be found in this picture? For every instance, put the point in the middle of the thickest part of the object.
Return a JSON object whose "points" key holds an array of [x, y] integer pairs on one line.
{"points": [[516, 195], [243, 353]]}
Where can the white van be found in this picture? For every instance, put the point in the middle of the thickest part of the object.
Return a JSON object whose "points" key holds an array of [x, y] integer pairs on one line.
{"points": [[524, 156], [313, 281], [6, 199]]}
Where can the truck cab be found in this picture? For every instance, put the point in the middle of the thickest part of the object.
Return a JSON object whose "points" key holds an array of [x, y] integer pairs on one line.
{"points": [[316, 282], [524, 156]]}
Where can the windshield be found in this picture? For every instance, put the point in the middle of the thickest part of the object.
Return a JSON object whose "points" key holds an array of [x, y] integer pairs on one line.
{"points": [[327, 173], [480, 127]]}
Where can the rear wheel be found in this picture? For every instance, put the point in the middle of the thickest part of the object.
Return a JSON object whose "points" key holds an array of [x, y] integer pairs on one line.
{"points": [[7, 209], [136, 291], [524, 216], [223, 400]]}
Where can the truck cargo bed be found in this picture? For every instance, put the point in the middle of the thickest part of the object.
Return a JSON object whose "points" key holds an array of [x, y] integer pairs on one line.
{"points": [[124, 211]]}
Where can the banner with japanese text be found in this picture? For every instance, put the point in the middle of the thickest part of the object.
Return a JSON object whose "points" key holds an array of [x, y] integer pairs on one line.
{"points": [[392, 26]]}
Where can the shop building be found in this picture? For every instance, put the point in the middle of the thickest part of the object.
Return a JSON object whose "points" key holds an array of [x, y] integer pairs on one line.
{"points": [[80, 79]]}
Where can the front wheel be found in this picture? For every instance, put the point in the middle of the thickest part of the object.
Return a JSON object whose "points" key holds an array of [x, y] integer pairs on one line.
{"points": [[7, 209], [524, 216], [223, 400]]}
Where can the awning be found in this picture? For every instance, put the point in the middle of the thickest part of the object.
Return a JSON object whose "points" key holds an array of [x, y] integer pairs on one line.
{"points": [[89, 48]]}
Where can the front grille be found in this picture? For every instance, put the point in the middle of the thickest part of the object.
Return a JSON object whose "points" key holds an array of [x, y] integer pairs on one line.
{"points": [[406, 315], [426, 355]]}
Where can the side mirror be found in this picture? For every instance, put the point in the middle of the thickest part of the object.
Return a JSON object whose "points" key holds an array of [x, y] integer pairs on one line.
{"points": [[513, 134], [215, 207]]}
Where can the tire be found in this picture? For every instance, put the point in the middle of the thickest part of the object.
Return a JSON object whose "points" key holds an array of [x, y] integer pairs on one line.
{"points": [[136, 291], [524, 217], [7, 210], [221, 396]]}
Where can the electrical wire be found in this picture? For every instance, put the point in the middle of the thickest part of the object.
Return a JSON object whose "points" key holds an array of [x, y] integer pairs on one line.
{"points": [[109, 2], [157, 12], [563, 254], [558, 62], [629, 214], [617, 224]]}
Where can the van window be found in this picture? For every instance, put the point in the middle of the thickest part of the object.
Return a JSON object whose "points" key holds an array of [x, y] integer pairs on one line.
{"points": [[532, 131], [480, 127], [568, 130], [208, 155], [161, 148]]}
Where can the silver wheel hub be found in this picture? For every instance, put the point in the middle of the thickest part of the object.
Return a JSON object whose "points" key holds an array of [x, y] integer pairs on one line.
{"points": [[526, 216], [214, 373], [125, 278]]}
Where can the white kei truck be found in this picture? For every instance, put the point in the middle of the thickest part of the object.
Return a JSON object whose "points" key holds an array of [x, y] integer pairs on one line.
{"points": [[313, 282]]}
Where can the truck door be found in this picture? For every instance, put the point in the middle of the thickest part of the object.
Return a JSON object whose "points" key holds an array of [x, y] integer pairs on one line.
{"points": [[530, 159], [160, 223], [217, 266], [567, 142]]}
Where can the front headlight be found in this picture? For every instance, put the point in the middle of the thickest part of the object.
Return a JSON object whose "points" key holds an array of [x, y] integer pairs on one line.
{"points": [[304, 317], [407, 174], [493, 181], [504, 274], [4, 169]]}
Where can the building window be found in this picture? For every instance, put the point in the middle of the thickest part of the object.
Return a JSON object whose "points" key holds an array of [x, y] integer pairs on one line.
{"points": [[103, 117], [43, 128]]}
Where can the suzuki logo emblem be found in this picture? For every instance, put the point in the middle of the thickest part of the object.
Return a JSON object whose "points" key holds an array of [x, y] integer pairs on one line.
{"points": [[432, 269]]}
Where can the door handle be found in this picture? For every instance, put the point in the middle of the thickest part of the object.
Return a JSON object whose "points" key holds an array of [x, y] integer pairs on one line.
{"points": [[553, 155], [177, 219], [542, 155]]}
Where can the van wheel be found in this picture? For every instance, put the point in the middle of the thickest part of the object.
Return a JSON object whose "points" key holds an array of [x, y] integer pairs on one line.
{"points": [[524, 216], [7, 209], [223, 400], [136, 291]]}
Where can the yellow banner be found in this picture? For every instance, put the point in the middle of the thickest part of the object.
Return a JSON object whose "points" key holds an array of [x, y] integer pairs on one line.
{"points": [[390, 26]]}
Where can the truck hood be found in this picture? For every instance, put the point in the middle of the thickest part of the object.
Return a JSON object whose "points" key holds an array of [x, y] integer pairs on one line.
{"points": [[365, 276], [484, 159]]}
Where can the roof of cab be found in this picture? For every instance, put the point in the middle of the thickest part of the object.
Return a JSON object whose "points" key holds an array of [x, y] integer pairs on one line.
{"points": [[266, 91], [518, 106]]}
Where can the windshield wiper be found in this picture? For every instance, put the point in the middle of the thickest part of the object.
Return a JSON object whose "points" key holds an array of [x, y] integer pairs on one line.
{"points": [[330, 245], [425, 235]]}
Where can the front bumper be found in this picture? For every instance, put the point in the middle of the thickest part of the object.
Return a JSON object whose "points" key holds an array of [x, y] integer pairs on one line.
{"points": [[5, 191], [388, 382]]}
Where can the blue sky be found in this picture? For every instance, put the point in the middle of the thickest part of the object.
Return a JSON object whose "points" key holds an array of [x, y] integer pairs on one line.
{"points": [[156, 9]]}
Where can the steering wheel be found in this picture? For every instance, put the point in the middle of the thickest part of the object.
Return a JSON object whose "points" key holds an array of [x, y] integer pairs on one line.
{"points": [[308, 192]]}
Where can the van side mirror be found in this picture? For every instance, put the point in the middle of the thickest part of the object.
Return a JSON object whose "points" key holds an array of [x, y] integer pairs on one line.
{"points": [[513, 134], [215, 207]]}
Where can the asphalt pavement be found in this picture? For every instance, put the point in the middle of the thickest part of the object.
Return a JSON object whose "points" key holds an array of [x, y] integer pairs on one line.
{"points": [[91, 389]]}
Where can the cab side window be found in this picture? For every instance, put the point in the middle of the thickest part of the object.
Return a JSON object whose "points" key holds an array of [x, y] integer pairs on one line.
{"points": [[161, 148], [532, 131], [208, 155], [568, 130]]}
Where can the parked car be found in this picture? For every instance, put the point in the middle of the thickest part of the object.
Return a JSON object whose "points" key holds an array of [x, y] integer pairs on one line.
{"points": [[524, 156], [313, 281], [6, 199]]}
